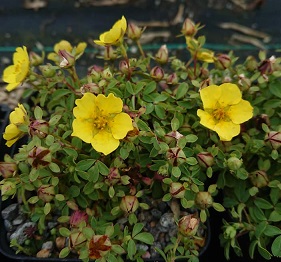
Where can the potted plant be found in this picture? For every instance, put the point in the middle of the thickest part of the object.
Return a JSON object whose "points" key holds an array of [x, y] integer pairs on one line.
{"points": [[126, 162]]}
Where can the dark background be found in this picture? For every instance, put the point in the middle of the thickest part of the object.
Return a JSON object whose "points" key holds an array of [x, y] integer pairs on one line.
{"points": [[84, 20]]}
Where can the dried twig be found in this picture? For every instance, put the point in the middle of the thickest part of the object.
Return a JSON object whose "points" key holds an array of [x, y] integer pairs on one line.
{"points": [[246, 30], [248, 40]]}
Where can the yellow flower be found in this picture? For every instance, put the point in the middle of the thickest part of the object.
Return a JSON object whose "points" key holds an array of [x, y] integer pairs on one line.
{"points": [[100, 121], [16, 73], [12, 132], [224, 110], [202, 54], [76, 51], [115, 35]]}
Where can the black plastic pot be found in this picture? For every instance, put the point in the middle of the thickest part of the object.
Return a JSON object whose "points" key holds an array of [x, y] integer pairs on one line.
{"points": [[10, 255]]}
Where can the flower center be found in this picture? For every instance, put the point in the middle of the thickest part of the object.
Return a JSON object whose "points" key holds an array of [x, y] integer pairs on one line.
{"points": [[100, 122], [219, 114]]}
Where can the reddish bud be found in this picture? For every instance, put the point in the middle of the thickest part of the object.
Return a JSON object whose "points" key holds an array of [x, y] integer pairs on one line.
{"points": [[90, 88], [222, 61], [67, 59], [188, 28], [172, 79], [188, 225], [259, 178], [162, 56], [109, 53], [77, 217], [177, 190], [176, 156], [39, 128], [129, 204], [39, 156], [204, 200], [7, 169], [133, 31], [46, 193], [274, 138], [157, 73], [205, 159]]}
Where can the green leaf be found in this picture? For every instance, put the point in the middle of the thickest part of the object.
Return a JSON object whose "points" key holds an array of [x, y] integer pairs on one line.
{"points": [[191, 138], [54, 120], [142, 125], [103, 169], [137, 229], [274, 88], [129, 88], [65, 232], [176, 172], [276, 247], [182, 90], [149, 88], [262, 203], [275, 216], [145, 237], [64, 252], [175, 124], [191, 161], [272, 231], [131, 249], [260, 228], [54, 167], [218, 207], [85, 164], [38, 112]]}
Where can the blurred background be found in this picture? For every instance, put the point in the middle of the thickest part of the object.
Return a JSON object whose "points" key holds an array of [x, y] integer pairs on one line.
{"points": [[244, 26]]}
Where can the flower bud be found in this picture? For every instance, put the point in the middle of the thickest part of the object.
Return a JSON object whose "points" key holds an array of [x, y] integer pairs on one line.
{"points": [[134, 32], [95, 72], [245, 83], [47, 70], [176, 156], [205, 159], [251, 63], [35, 59], [77, 217], [188, 225], [39, 128], [7, 169], [77, 240], [204, 200], [124, 67], [234, 163], [113, 177], [222, 61], [106, 74], [46, 193], [8, 188], [172, 79], [90, 88], [172, 137], [99, 246], [177, 190], [39, 156], [259, 178], [129, 204], [205, 83], [188, 28], [67, 59], [162, 56], [274, 138], [230, 232], [109, 53], [266, 66], [157, 73]]}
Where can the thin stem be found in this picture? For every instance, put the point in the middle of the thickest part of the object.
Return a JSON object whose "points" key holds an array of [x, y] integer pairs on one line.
{"points": [[140, 48]]}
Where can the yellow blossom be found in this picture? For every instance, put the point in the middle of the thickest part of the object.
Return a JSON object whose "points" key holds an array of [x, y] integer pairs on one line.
{"points": [[202, 54], [76, 51], [12, 131], [16, 73], [224, 110], [99, 120], [115, 35]]}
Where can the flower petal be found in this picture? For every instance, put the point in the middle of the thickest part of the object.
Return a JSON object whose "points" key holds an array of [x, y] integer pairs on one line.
{"points": [[109, 105], [104, 142], [240, 112], [86, 107], [230, 94], [227, 130], [120, 125], [206, 119], [12, 134], [18, 115], [83, 129], [63, 45], [210, 96]]}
